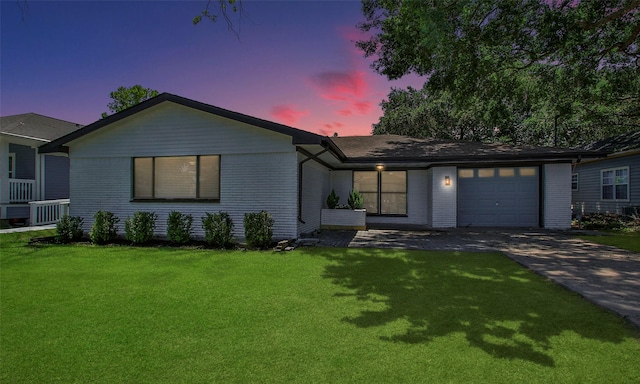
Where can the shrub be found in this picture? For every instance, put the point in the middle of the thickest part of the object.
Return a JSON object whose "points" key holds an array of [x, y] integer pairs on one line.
{"points": [[355, 200], [69, 229], [179, 227], [104, 227], [258, 229], [218, 229], [139, 228], [608, 221], [333, 200]]}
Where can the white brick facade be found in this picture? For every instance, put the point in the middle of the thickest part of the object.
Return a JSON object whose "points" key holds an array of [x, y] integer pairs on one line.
{"points": [[443, 197]]}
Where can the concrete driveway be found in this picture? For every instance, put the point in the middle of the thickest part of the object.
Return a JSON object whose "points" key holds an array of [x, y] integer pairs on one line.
{"points": [[607, 276]]}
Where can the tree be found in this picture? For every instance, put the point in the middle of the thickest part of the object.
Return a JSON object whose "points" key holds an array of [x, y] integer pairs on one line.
{"points": [[516, 65], [124, 98]]}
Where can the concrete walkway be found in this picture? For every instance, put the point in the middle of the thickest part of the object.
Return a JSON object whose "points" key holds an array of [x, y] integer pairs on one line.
{"points": [[28, 229], [606, 276]]}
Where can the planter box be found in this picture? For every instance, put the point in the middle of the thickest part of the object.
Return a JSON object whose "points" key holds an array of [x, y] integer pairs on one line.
{"points": [[354, 219]]}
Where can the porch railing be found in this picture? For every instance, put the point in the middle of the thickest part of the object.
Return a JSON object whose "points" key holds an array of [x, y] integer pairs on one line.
{"points": [[21, 190], [48, 211]]}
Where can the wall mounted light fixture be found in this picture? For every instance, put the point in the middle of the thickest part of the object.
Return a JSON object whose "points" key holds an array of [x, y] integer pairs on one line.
{"points": [[447, 180], [379, 167]]}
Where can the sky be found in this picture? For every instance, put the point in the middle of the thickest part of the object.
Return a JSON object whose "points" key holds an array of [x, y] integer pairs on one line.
{"points": [[293, 62]]}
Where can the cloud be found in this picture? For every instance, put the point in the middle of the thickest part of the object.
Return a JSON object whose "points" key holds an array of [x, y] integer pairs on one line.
{"points": [[341, 86], [287, 114]]}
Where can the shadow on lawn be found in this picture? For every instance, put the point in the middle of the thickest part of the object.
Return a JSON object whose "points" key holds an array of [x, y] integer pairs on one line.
{"points": [[500, 308]]}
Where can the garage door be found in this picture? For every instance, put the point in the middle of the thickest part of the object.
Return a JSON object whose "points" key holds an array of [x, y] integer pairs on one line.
{"points": [[498, 197]]}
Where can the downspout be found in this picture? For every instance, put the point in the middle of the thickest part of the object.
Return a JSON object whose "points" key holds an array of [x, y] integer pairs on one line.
{"points": [[300, 168]]}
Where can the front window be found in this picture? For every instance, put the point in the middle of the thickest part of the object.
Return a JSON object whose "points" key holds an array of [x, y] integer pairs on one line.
{"points": [[12, 165], [615, 184], [383, 193], [574, 182], [176, 177]]}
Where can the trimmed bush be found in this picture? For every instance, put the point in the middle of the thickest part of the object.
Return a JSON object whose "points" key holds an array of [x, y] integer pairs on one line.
{"points": [[139, 228], [104, 227], [69, 229], [258, 229], [355, 200], [218, 229], [179, 227], [333, 200], [609, 222]]}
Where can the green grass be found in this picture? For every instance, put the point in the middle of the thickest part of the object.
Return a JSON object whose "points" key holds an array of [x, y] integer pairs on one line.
{"points": [[317, 315], [624, 240]]}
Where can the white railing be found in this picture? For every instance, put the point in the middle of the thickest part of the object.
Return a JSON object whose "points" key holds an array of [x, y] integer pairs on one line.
{"points": [[47, 211], [21, 190]]}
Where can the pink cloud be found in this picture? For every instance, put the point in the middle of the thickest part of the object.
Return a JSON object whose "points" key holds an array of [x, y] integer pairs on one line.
{"points": [[287, 114], [362, 107], [341, 86], [345, 112]]}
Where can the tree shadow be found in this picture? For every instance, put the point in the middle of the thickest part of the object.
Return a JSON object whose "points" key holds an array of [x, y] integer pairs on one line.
{"points": [[500, 307]]}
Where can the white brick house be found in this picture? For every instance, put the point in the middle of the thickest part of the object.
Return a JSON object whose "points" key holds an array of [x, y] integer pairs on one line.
{"points": [[171, 153]]}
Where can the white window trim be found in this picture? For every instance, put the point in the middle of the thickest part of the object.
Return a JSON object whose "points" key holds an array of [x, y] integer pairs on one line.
{"points": [[602, 171], [577, 175], [12, 162]]}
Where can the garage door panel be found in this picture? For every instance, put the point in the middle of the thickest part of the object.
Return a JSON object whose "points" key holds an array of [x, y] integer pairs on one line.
{"points": [[507, 200]]}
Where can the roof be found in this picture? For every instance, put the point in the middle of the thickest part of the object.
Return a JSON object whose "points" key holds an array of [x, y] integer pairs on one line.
{"points": [[403, 148], [34, 126], [298, 136], [621, 143]]}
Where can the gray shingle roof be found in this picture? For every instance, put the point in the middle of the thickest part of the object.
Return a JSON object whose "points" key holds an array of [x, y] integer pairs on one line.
{"points": [[36, 126], [625, 142], [404, 148]]}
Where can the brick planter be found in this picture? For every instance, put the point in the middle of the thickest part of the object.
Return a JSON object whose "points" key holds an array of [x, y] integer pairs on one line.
{"points": [[354, 219]]}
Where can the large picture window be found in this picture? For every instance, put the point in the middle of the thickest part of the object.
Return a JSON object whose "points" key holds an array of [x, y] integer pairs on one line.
{"points": [[383, 193], [176, 177], [615, 184]]}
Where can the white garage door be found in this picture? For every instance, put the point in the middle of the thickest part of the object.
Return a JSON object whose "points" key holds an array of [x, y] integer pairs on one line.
{"points": [[498, 197]]}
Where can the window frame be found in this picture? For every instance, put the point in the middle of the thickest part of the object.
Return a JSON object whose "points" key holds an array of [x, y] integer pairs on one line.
{"points": [[176, 199], [615, 184], [12, 165], [577, 182], [379, 192]]}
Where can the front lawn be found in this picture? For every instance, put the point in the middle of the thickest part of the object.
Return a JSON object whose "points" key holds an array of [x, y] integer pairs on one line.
{"points": [[315, 315], [624, 240]]}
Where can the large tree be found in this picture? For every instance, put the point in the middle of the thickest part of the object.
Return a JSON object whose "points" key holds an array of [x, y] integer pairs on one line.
{"points": [[125, 97], [515, 67]]}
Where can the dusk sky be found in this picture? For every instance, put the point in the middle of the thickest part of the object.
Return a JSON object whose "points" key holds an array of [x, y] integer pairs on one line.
{"points": [[295, 62]]}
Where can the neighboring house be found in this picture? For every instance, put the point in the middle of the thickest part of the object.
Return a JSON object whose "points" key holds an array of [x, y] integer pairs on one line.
{"points": [[171, 153], [610, 184], [26, 175]]}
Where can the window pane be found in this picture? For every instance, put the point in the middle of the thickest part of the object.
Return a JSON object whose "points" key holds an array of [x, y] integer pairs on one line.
{"points": [[621, 192], [143, 178], [365, 181], [574, 182], [370, 201], [209, 177], [393, 203], [621, 176], [486, 172], [607, 177], [528, 171], [607, 192], [507, 172], [465, 173], [175, 177], [393, 181]]}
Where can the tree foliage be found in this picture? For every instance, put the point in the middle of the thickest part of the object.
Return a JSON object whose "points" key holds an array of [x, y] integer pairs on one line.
{"points": [[124, 98], [508, 70]]}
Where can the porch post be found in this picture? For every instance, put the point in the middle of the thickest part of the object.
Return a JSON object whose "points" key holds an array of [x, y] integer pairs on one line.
{"points": [[4, 177], [36, 192]]}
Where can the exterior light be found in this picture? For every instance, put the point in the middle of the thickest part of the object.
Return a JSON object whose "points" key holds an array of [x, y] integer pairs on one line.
{"points": [[379, 167], [447, 180]]}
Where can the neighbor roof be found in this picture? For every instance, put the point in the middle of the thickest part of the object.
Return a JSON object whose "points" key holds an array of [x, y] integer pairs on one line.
{"points": [[299, 136], [389, 148], [34, 126], [621, 143]]}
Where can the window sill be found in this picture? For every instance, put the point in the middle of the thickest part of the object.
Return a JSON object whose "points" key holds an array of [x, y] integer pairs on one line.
{"points": [[174, 200]]}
